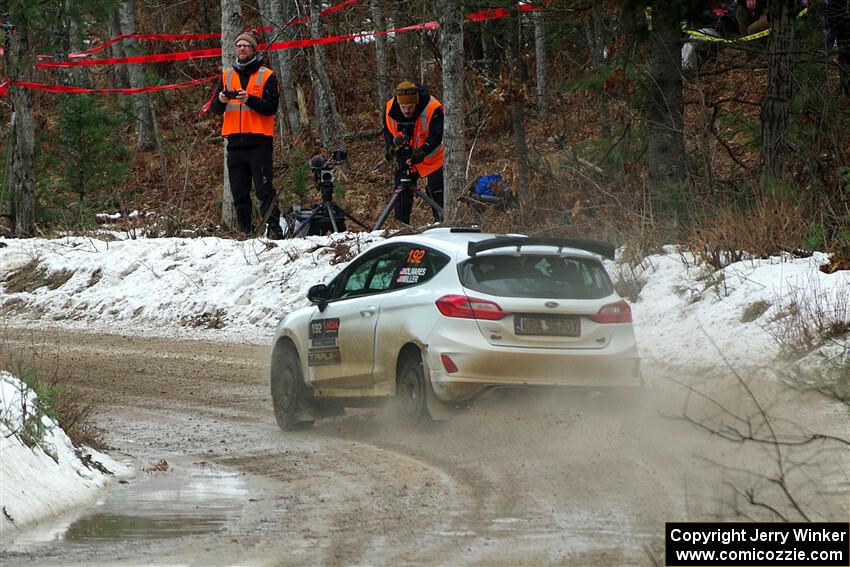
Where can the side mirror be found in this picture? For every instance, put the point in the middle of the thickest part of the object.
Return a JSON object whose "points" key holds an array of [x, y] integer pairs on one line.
{"points": [[319, 295]]}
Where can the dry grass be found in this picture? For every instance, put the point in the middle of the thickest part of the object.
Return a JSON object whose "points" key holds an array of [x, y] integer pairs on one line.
{"points": [[57, 279], [33, 275], [27, 278], [729, 236], [808, 317], [29, 359], [754, 311]]}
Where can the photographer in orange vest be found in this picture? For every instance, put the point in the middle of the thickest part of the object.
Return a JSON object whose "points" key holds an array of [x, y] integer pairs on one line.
{"points": [[417, 117], [248, 96]]}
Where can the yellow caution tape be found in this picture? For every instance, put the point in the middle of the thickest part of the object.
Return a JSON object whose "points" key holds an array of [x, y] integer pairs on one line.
{"points": [[752, 36]]}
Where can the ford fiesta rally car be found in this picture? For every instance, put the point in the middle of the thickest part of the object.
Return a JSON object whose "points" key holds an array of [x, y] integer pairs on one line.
{"points": [[440, 317]]}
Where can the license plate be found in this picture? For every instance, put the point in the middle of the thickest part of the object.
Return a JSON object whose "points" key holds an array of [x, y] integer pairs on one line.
{"points": [[568, 326]]}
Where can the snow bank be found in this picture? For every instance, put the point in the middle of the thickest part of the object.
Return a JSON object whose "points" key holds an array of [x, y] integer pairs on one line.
{"points": [[46, 479], [239, 287], [685, 316], [689, 316]]}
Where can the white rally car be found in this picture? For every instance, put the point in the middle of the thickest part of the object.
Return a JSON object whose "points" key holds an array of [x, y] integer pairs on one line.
{"points": [[442, 316]]}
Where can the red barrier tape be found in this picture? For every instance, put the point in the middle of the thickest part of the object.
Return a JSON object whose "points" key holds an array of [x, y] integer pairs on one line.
{"points": [[146, 36], [198, 36], [80, 90], [216, 51], [37, 57], [497, 13]]}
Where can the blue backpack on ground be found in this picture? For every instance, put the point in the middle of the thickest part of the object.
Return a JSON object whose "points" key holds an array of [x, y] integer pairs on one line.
{"points": [[486, 184]]}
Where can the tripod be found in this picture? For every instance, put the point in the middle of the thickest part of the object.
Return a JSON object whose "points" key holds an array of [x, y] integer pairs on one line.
{"points": [[406, 183], [327, 209], [327, 212]]}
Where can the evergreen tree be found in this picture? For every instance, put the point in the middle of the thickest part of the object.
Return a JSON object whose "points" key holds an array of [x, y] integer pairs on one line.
{"points": [[90, 157]]}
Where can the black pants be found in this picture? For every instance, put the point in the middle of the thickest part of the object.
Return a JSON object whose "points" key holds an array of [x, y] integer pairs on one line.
{"points": [[404, 203], [243, 166]]}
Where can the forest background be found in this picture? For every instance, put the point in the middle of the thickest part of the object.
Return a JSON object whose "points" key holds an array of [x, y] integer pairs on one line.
{"points": [[582, 108]]}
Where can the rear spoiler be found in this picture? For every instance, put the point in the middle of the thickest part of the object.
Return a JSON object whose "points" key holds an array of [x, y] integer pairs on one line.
{"points": [[604, 249]]}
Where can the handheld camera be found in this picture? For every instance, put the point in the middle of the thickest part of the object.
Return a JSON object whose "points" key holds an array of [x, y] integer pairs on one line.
{"points": [[231, 94]]}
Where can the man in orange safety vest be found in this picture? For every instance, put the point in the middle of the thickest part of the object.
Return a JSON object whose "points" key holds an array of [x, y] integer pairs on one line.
{"points": [[247, 96], [415, 117]]}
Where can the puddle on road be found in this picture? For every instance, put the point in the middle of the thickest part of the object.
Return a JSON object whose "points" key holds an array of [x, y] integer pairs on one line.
{"points": [[185, 500]]}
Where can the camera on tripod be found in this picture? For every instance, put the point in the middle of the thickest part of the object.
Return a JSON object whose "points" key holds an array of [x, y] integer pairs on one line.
{"points": [[406, 175], [323, 172], [404, 153], [326, 216]]}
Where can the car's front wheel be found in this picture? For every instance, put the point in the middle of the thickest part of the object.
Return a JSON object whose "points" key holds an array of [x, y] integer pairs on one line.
{"points": [[287, 385], [412, 401]]}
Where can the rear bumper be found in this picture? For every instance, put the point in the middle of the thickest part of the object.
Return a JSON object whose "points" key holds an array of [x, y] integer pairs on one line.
{"points": [[482, 365]]}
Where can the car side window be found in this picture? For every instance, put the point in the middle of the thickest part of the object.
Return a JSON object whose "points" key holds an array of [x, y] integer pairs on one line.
{"points": [[382, 277], [355, 281], [418, 265], [372, 274]]}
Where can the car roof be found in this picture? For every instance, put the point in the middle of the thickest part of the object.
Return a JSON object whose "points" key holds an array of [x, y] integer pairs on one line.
{"points": [[454, 241]]}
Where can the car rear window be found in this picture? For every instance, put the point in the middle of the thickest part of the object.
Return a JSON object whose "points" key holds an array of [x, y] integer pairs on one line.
{"points": [[536, 276]]}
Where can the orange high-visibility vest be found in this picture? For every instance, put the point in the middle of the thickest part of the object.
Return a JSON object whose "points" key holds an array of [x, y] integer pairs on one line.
{"points": [[240, 118], [434, 160]]}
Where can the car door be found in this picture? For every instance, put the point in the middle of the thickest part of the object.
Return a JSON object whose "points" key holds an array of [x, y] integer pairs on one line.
{"points": [[342, 337]]}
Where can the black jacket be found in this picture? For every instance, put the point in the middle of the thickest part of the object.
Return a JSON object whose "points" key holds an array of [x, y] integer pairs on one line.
{"points": [[435, 127], [266, 105]]}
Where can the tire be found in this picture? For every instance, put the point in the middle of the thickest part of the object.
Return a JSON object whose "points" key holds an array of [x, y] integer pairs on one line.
{"points": [[412, 403], [287, 385]]}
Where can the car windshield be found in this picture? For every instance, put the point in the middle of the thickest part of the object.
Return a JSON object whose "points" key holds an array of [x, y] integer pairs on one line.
{"points": [[548, 276]]}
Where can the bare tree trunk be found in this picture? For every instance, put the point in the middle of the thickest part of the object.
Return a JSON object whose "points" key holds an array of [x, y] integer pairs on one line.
{"points": [[297, 123], [406, 58], [666, 145], [62, 32], [330, 123], [777, 99], [278, 14], [490, 48], [75, 43], [117, 73], [451, 46], [146, 136], [517, 96], [596, 43], [542, 62], [380, 24], [21, 178], [270, 17], [231, 26]]}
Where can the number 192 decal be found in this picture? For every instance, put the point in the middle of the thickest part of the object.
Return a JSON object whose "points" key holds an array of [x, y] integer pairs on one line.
{"points": [[415, 256]]}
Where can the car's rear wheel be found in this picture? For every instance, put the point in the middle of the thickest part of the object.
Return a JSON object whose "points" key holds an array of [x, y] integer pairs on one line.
{"points": [[412, 402], [287, 385]]}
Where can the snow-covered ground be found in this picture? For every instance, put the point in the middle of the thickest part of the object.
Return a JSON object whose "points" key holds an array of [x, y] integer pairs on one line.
{"points": [[685, 317], [49, 477]]}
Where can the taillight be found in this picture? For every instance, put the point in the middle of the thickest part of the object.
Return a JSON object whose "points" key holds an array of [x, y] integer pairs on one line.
{"points": [[470, 308], [619, 312], [448, 364]]}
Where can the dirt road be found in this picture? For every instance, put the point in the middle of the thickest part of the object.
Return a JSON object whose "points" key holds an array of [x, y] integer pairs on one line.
{"points": [[516, 480]]}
